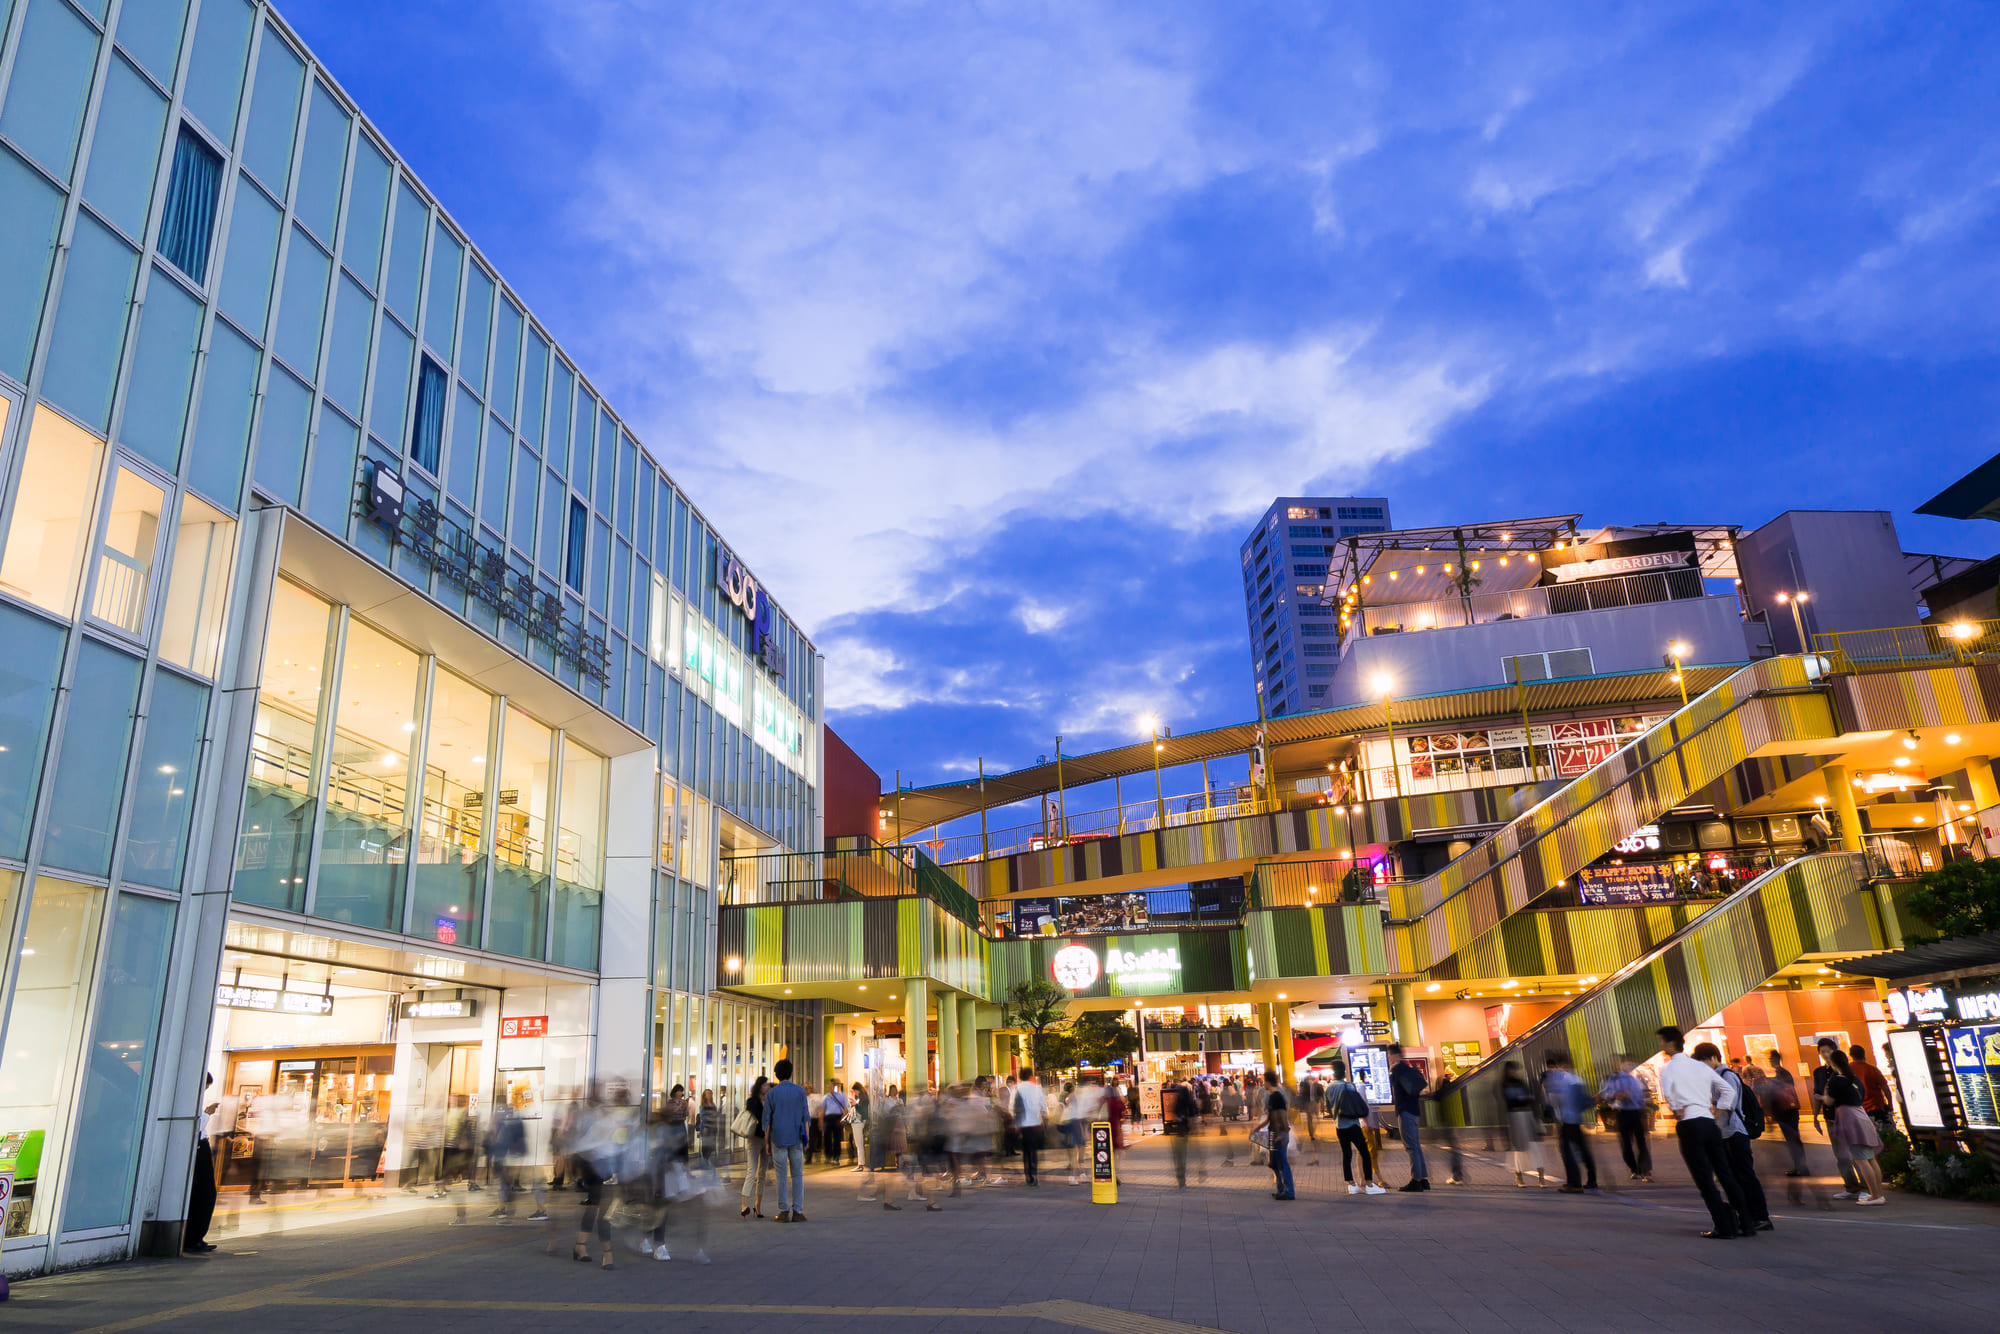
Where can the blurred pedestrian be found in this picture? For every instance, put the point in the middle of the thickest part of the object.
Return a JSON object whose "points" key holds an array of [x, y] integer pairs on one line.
{"points": [[1277, 1126], [1406, 1088], [1309, 1108], [1524, 1126], [1755, 1214], [1849, 1127], [1626, 1096], [787, 1123], [833, 1121], [1571, 1102], [201, 1184], [1348, 1107], [1823, 1119], [1030, 1114], [1874, 1088], [593, 1157], [857, 1124], [1694, 1093], [1781, 1093], [756, 1149]]}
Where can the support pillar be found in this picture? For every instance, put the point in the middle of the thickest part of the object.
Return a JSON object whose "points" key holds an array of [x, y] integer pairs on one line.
{"points": [[828, 1075], [1282, 1039], [1840, 797], [1266, 1038], [1979, 776], [968, 1038], [916, 1034], [947, 1039], [1403, 1000]]}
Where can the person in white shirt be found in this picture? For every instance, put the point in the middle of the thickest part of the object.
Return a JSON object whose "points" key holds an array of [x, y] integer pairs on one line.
{"points": [[815, 1108], [1031, 1107], [1694, 1093]]}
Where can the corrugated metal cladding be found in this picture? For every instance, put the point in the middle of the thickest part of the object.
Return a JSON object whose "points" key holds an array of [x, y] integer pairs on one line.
{"points": [[1816, 905], [1568, 941], [1929, 697], [1211, 961], [786, 944]]}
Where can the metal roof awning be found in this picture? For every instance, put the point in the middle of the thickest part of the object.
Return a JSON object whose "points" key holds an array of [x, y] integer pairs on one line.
{"points": [[1936, 960], [1973, 496]]}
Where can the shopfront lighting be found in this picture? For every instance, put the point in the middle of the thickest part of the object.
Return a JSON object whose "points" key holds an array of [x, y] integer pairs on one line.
{"points": [[1916, 819], [1902, 761], [1510, 982], [1910, 741], [732, 963], [1952, 738]]}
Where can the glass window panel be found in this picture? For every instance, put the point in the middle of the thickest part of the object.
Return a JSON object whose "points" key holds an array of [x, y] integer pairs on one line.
{"points": [[367, 207], [427, 430], [560, 393], [156, 398], [336, 456], [30, 214], [125, 148], [187, 223], [90, 765], [506, 358], [118, 1072], [600, 564], [441, 311], [45, 1032], [602, 493], [151, 33], [27, 696], [628, 471], [392, 380], [520, 838], [318, 201], [478, 314], [278, 805], [463, 480], [493, 482], [50, 85], [82, 366], [554, 496], [366, 840], [303, 306], [534, 387], [198, 587], [526, 472], [580, 819], [215, 70], [252, 255], [52, 513], [347, 354], [406, 253], [222, 424], [274, 112], [163, 794], [578, 546], [621, 585], [450, 871], [642, 537], [125, 557], [281, 437]]}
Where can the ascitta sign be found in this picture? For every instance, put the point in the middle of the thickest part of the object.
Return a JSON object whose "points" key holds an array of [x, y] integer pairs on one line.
{"points": [[1154, 968]]}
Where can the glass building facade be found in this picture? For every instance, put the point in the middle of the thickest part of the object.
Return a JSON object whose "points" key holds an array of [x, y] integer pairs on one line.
{"points": [[357, 647]]}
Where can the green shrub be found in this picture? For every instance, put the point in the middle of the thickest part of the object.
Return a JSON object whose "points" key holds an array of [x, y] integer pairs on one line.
{"points": [[1952, 1174], [1894, 1156]]}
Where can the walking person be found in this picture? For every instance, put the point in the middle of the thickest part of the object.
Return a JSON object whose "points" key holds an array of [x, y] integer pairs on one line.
{"points": [[1823, 1119], [857, 1125], [1309, 1104], [1694, 1093], [1736, 1126], [1572, 1102], [1406, 1088], [1524, 1126], [787, 1123], [708, 1130], [1849, 1127], [593, 1153], [1626, 1095], [1277, 1126], [1441, 1097], [833, 1123], [1349, 1108], [1783, 1105], [816, 1137], [756, 1148], [1031, 1108], [885, 1119], [1874, 1088]]}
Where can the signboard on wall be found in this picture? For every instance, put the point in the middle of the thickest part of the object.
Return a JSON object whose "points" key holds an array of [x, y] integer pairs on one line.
{"points": [[1913, 1077], [525, 1026], [232, 997], [1647, 882], [440, 1009]]}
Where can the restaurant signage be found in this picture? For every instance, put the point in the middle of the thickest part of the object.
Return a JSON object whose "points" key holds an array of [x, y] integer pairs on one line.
{"points": [[1649, 882]]}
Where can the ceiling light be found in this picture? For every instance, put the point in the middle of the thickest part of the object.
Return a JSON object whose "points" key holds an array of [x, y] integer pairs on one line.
{"points": [[1902, 761], [1432, 987], [1510, 982], [1910, 741], [732, 963], [864, 986]]}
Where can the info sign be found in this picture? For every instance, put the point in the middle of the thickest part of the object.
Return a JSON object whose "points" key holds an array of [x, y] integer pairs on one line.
{"points": [[1103, 1167], [1646, 882]]}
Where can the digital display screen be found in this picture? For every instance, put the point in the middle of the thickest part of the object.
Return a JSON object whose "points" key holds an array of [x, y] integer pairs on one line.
{"points": [[1975, 1068], [1913, 1077]]}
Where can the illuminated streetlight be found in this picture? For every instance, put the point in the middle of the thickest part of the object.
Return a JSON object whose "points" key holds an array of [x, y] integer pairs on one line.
{"points": [[1152, 724], [1795, 601], [1676, 652]]}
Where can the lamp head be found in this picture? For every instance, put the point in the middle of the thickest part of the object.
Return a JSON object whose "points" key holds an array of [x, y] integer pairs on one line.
{"points": [[1383, 683], [1678, 648]]}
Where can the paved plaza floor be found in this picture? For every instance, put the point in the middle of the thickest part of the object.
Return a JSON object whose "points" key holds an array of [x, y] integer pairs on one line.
{"points": [[1218, 1255]]}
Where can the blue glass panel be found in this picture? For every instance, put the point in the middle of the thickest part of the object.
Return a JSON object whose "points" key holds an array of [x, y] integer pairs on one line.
{"points": [[303, 305], [499, 460], [215, 70], [506, 359], [151, 33], [603, 492], [367, 209], [274, 113], [90, 767], [50, 85], [534, 387], [250, 259], [336, 460], [222, 425], [125, 149], [463, 481], [156, 399], [628, 468], [347, 353], [526, 472], [30, 214], [318, 201], [281, 438], [441, 309], [554, 497], [472, 343], [163, 795], [427, 430], [27, 697], [392, 380], [90, 323], [406, 254]]}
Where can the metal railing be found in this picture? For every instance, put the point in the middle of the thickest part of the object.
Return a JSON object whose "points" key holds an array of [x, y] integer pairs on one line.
{"points": [[120, 596], [1132, 817], [877, 871], [1629, 590], [1317, 884], [1942, 645]]}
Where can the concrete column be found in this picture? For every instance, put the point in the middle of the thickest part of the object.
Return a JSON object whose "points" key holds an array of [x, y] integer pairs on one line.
{"points": [[916, 1033], [1282, 1012], [1979, 775], [828, 1075], [1266, 1038], [1840, 796], [1403, 1000], [947, 1058], [968, 1038]]}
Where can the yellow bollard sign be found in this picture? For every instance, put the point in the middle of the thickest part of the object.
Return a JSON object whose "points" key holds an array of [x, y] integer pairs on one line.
{"points": [[1103, 1169]]}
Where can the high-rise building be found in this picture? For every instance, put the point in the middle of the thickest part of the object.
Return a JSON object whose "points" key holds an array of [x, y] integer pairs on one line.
{"points": [[1294, 638], [378, 717]]}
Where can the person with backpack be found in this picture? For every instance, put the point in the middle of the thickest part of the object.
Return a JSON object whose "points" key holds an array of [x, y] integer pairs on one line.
{"points": [[1625, 1094], [1781, 1091], [1571, 1102], [1348, 1108], [1739, 1125]]}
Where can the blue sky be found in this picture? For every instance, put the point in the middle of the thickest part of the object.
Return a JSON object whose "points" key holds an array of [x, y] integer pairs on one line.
{"points": [[984, 331]]}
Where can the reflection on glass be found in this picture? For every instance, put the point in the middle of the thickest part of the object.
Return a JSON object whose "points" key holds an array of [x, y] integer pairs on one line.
{"points": [[156, 835], [450, 869], [277, 812], [10, 888], [197, 587], [28, 672], [44, 1035], [520, 838], [579, 858], [366, 840], [51, 528], [90, 766], [125, 556]]}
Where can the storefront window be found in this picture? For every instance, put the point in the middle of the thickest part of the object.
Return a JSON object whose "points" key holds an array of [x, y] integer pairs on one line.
{"points": [[520, 838], [156, 835], [198, 587], [52, 507], [90, 770], [366, 840], [118, 1069], [450, 873], [125, 557], [44, 1035], [278, 810]]}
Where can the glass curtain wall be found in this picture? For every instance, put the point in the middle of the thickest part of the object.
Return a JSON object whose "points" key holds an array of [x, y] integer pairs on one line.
{"points": [[449, 879], [367, 837], [579, 892], [284, 780], [521, 837]]}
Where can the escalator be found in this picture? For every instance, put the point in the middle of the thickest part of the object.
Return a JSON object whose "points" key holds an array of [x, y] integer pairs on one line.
{"points": [[1778, 700], [1817, 905]]}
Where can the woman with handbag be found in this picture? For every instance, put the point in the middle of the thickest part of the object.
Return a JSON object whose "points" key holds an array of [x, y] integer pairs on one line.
{"points": [[749, 1123], [1524, 1126]]}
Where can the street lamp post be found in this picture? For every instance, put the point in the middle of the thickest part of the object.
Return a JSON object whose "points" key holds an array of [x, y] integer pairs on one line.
{"points": [[1676, 651], [1383, 686], [1159, 791], [1795, 601]]}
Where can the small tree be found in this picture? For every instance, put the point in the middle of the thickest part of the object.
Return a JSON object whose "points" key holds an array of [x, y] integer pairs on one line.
{"points": [[1099, 1038], [1962, 899], [1040, 1006]]}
